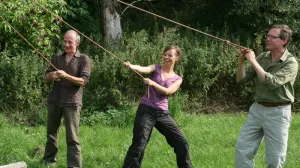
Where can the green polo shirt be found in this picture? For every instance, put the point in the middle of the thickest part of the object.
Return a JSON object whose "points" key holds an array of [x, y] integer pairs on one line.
{"points": [[280, 78]]}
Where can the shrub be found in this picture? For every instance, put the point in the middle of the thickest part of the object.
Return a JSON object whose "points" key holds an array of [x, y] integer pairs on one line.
{"points": [[21, 84]]}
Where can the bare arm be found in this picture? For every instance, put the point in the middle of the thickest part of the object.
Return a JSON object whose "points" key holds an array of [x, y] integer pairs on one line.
{"points": [[141, 69], [75, 80], [241, 73], [163, 90]]}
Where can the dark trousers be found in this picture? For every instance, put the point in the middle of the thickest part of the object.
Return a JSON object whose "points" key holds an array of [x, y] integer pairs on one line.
{"points": [[147, 118], [71, 117]]}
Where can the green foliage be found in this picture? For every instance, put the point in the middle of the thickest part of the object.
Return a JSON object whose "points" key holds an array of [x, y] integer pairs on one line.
{"points": [[245, 19], [112, 117], [177, 103], [80, 14], [21, 86], [35, 24], [209, 74], [259, 15]]}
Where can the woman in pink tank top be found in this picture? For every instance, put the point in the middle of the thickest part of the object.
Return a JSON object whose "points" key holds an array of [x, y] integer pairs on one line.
{"points": [[153, 111]]}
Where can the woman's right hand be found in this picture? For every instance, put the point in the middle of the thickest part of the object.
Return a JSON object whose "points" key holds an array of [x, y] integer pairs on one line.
{"points": [[127, 64]]}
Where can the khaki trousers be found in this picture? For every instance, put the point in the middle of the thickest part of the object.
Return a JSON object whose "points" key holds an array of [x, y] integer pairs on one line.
{"points": [[270, 123]]}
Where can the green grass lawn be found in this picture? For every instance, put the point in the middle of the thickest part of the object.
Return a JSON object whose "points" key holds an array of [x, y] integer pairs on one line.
{"points": [[211, 139]]}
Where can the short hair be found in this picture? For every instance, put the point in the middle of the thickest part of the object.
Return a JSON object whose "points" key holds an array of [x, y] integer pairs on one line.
{"points": [[75, 32], [285, 33], [177, 49]]}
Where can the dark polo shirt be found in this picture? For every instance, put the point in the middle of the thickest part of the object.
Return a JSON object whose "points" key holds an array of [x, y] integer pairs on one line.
{"points": [[65, 93]]}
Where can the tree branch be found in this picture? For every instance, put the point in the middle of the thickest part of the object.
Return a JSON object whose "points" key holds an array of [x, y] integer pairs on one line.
{"points": [[133, 3]]}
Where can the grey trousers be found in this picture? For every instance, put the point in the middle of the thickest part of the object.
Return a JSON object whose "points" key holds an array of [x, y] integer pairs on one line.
{"points": [[71, 117], [270, 123]]}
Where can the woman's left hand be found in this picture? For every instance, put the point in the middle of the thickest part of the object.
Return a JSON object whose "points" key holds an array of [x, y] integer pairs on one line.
{"points": [[149, 81]]}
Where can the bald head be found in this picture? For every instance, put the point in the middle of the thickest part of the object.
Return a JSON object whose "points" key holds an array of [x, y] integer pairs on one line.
{"points": [[77, 36]]}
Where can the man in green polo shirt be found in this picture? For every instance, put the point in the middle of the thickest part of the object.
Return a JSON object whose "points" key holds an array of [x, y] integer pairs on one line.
{"points": [[269, 116]]}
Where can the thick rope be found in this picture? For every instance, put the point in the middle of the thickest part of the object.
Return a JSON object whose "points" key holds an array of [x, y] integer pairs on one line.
{"points": [[228, 42], [37, 51], [60, 19]]}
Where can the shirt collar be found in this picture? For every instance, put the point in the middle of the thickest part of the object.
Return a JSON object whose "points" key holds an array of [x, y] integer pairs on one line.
{"points": [[77, 54], [283, 57]]}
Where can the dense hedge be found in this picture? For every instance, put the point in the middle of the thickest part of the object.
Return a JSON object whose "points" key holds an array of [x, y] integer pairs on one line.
{"points": [[209, 74], [209, 77]]}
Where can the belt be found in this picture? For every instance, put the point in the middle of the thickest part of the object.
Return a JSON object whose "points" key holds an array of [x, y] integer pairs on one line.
{"points": [[267, 104]]}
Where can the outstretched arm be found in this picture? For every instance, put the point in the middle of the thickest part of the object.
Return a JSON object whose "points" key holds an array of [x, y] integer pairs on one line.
{"points": [[141, 69]]}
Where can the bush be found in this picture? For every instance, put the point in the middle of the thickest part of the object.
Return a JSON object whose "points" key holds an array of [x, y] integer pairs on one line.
{"points": [[21, 84], [112, 117], [208, 79], [40, 28]]}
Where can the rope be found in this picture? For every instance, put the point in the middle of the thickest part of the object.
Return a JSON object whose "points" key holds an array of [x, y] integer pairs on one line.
{"points": [[60, 19], [37, 51], [228, 42]]}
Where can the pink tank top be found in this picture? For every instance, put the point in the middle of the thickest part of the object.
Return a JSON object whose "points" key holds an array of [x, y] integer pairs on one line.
{"points": [[157, 100]]}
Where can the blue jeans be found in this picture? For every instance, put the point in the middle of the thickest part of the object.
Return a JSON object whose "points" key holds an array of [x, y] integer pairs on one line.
{"points": [[147, 118]]}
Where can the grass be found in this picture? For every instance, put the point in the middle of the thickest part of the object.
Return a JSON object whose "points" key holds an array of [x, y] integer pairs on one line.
{"points": [[211, 139]]}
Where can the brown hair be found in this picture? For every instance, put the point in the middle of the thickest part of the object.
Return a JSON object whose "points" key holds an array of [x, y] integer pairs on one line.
{"points": [[177, 49], [285, 33]]}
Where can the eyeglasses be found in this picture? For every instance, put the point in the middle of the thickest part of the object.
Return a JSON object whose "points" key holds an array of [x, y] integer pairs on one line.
{"points": [[272, 37]]}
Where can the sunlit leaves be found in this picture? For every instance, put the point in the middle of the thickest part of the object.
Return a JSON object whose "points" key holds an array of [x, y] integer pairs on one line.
{"points": [[33, 22]]}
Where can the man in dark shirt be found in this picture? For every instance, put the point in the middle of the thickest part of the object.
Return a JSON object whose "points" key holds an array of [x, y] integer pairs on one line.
{"points": [[65, 99]]}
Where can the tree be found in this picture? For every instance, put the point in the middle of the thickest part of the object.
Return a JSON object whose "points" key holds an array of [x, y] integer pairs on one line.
{"points": [[111, 20], [35, 24]]}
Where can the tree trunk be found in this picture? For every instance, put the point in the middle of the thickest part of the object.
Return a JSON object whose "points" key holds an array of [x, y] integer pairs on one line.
{"points": [[111, 21]]}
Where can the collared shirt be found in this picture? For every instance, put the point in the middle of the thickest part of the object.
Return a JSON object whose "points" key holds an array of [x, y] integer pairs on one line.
{"points": [[280, 77], [64, 92]]}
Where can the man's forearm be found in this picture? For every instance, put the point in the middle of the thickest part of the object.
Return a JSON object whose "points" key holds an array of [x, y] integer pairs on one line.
{"points": [[240, 73], [75, 80]]}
